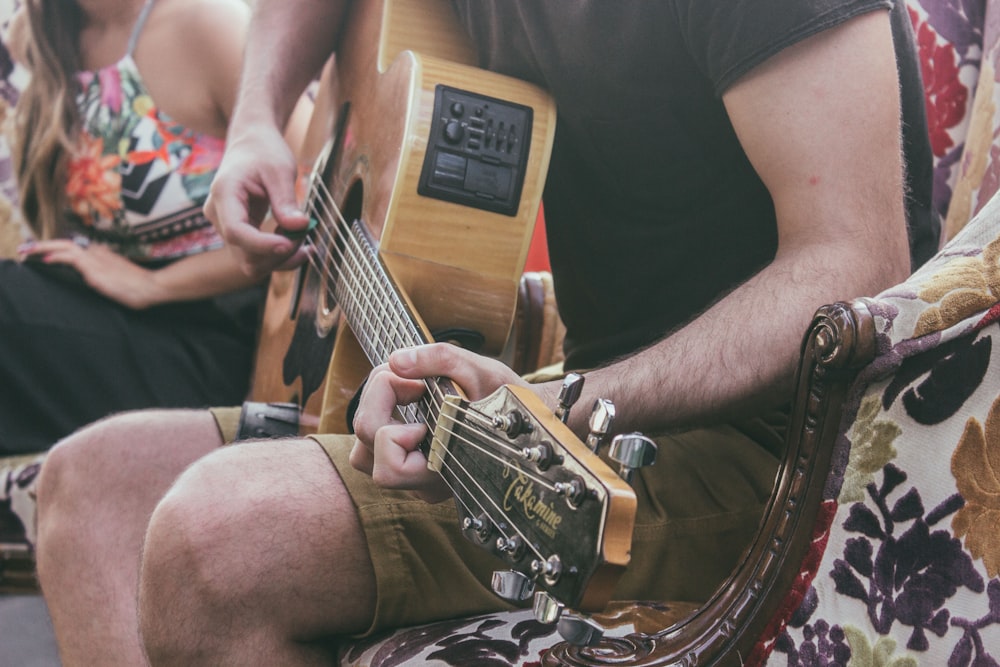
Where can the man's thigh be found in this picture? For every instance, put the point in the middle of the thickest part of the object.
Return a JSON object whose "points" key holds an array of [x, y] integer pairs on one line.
{"points": [[699, 506]]}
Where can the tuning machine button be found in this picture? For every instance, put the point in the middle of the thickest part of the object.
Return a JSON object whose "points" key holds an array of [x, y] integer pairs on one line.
{"points": [[575, 629], [512, 585], [632, 451], [549, 569], [601, 418], [542, 455], [569, 393], [579, 630], [481, 526]]}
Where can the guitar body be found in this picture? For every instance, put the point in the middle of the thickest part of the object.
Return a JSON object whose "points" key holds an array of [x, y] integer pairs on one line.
{"points": [[444, 164]]}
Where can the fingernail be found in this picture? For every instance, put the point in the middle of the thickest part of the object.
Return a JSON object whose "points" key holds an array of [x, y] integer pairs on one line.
{"points": [[406, 358], [25, 247]]}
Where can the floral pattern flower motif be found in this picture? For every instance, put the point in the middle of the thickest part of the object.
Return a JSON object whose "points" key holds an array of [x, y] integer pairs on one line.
{"points": [[971, 650], [976, 468], [881, 654], [945, 96], [824, 645], [949, 36], [93, 185], [963, 287], [913, 572], [871, 449]]}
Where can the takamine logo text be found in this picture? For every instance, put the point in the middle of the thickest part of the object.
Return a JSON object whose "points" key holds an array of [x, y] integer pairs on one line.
{"points": [[521, 493]]}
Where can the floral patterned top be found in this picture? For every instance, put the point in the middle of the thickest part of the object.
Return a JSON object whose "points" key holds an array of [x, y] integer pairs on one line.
{"points": [[140, 179]]}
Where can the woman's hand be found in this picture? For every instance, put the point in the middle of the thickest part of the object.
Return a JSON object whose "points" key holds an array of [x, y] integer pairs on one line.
{"points": [[386, 448], [102, 269]]}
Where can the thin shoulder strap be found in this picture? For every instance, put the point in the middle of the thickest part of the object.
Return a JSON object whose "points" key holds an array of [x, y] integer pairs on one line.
{"points": [[137, 28]]}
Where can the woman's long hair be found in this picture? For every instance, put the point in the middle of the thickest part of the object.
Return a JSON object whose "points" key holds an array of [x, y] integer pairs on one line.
{"points": [[46, 115]]}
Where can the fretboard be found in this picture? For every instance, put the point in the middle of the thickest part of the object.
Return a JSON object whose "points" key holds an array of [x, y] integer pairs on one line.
{"points": [[378, 315]]}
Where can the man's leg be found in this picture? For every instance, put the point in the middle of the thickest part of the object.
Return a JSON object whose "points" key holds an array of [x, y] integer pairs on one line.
{"points": [[96, 492], [255, 556]]}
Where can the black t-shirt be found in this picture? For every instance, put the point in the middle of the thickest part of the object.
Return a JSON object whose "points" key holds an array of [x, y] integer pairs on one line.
{"points": [[652, 209]]}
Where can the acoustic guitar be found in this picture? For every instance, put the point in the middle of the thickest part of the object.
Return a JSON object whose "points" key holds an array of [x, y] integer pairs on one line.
{"points": [[422, 201]]}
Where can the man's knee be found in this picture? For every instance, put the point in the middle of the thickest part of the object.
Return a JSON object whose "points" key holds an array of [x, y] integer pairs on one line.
{"points": [[209, 533], [207, 549]]}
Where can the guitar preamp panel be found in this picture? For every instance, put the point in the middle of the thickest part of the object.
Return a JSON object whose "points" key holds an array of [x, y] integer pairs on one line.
{"points": [[477, 151]]}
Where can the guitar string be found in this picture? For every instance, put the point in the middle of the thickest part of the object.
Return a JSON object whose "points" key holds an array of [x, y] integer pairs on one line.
{"points": [[387, 297], [512, 524], [412, 337], [354, 248]]}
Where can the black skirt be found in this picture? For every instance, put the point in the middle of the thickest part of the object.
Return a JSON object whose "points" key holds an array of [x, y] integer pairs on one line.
{"points": [[69, 356]]}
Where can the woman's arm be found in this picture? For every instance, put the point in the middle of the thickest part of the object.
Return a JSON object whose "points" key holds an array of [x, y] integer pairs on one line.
{"points": [[199, 276]]}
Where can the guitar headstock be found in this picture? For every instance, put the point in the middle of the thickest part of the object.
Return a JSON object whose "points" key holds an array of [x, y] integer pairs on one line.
{"points": [[529, 491]]}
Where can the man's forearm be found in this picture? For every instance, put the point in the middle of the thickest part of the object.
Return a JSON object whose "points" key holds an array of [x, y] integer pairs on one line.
{"points": [[288, 43], [740, 355]]}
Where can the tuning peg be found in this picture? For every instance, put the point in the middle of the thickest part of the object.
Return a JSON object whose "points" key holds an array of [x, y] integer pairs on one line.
{"points": [[512, 585], [579, 630], [569, 393], [601, 418], [546, 608], [573, 628], [632, 451]]}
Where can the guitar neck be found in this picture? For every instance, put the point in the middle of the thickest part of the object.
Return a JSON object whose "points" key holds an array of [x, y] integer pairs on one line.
{"points": [[379, 316]]}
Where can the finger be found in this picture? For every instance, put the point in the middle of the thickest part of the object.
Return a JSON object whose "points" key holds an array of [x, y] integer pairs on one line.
{"points": [[297, 258], [361, 458], [293, 223], [229, 211], [398, 461], [382, 393], [475, 374], [44, 247], [71, 256]]}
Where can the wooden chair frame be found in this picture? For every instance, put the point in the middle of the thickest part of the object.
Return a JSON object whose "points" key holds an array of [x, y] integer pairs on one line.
{"points": [[725, 630]]}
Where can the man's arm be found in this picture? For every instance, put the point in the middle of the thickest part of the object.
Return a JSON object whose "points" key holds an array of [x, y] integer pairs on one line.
{"points": [[288, 42], [820, 123]]}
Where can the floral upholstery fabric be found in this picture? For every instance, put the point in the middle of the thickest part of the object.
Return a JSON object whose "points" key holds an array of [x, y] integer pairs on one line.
{"points": [[17, 501], [497, 640], [949, 36], [905, 568], [906, 554], [976, 177]]}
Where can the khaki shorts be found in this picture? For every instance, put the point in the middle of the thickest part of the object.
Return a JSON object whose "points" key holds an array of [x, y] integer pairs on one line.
{"points": [[699, 506]]}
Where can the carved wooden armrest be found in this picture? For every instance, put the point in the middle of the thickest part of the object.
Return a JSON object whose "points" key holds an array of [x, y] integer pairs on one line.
{"points": [[725, 630]]}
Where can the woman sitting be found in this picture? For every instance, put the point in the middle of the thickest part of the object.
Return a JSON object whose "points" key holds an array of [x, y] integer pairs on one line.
{"points": [[127, 299]]}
